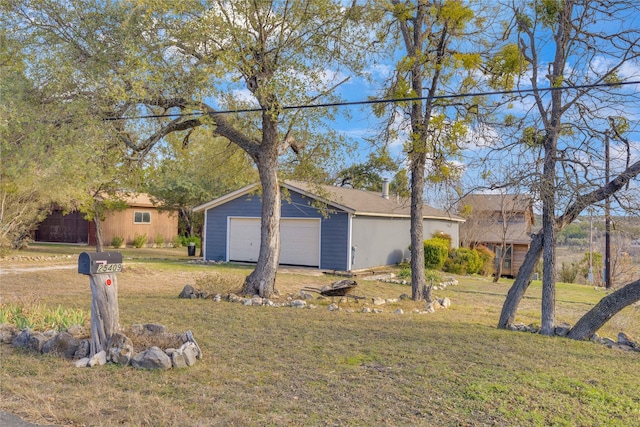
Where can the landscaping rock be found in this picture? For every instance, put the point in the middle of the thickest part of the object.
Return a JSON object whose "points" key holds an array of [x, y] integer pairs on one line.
{"points": [[178, 359], [188, 292], [562, 329], [78, 332], [152, 358], [36, 342], [82, 363], [379, 301], [333, 307], [445, 302], [98, 359], [298, 303], [189, 336], [22, 339], [63, 343], [190, 352], [625, 339], [83, 350], [306, 295], [120, 349], [7, 333]]}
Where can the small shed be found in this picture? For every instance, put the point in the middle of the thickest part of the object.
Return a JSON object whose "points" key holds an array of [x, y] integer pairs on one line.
{"points": [[331, 228], [141, 217]]}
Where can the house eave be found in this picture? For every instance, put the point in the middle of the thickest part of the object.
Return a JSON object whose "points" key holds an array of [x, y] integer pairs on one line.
{"points": [[386, 215], [226, 198]]}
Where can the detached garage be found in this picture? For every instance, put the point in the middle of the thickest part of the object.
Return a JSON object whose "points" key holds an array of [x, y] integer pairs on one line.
{"points": [[357, 230], [299, 240]]}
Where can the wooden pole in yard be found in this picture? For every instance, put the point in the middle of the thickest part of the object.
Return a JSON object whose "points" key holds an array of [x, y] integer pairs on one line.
{"points": [[105, 317]]}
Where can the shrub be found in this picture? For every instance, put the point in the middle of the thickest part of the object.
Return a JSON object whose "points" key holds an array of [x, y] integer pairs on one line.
{"points": [[139, 240], [404, 273], [176, 242], [185, 240], [117, 241], [435, 253], [463, 261], [443, 236], [432, 276], [487, 257], [159, 240], [568, 272]]}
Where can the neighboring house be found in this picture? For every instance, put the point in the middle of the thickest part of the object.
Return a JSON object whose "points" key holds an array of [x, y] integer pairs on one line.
{"points": [[141, 217], [494, 219], [357, 230]]}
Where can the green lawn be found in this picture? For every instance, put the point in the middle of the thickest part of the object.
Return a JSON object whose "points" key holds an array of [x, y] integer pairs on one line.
{"points": [[285, 366]]}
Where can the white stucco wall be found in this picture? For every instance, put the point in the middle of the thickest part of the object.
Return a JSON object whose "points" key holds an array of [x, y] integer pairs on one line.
{"points": [[385, 241]]}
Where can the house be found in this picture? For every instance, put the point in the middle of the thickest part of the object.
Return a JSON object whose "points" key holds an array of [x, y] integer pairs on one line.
{"points": [[497, 219], [141, 217], [355, 230]]}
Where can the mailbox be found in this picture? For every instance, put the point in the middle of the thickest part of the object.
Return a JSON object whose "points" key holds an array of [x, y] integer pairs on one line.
{"points": [[99, 262]]}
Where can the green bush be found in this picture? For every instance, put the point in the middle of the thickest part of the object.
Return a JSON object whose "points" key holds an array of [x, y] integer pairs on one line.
{"points": [[487, 257], [176, 242], [185, 240], [435, 253], [117, 241], [139, 240], [159, 240], [463, 261], [568, 272]]}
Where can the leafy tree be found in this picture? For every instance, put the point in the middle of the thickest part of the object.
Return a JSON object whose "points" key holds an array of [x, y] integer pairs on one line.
{"points": [[231, 67], [400, 184], [438, 59], [563, 127], [367, 175], [182, 177]]}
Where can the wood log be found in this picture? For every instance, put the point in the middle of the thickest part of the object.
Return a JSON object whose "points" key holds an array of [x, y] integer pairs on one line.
{"points": [[105, 317]]}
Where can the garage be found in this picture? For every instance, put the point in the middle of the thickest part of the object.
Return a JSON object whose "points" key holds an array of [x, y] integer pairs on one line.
{"points": [[299, 240]]}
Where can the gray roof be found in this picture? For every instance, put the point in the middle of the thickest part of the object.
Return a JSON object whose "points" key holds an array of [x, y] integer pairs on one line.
{"points": [[498, 202], [484, 223], [358, 202]]}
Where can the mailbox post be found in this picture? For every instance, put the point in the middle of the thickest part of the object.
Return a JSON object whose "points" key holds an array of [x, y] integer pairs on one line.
{"points": [[101, 267]]}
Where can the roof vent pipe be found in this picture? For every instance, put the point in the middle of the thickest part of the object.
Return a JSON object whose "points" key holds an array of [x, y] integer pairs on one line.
{"points": [[385, 188]]}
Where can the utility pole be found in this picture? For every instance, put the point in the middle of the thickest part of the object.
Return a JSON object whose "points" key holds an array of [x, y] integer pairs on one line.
{"points": [[590, 276], [607, 216]]}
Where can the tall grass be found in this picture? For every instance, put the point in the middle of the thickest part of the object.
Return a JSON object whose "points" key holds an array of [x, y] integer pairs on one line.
{"points": [[40, 317]]}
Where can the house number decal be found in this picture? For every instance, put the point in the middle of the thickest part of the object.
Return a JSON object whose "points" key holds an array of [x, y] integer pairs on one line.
{"points": [[109, 268]]}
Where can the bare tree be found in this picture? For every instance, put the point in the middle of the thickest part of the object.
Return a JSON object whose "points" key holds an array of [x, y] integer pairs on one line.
{"points": [[562, 124]]}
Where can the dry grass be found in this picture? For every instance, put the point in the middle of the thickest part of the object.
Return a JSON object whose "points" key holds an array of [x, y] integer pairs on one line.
{"points": [[285, 366]]}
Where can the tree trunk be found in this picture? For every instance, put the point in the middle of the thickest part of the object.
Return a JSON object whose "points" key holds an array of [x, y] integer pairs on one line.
{"points": [[417, 237], [98, 224], [549, 228], [522, 282], [105, 317], [606, 308], [548, 277], [499, 264], [523, 279], [262, 280]]}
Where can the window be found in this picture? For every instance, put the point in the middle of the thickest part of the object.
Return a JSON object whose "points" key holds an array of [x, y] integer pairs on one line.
{"points": [[142, 217]]}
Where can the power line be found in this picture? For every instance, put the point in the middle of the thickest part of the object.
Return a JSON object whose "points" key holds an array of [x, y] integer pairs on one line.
{"points": [[374, 101]]}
